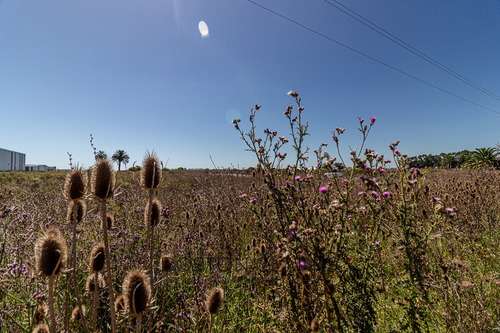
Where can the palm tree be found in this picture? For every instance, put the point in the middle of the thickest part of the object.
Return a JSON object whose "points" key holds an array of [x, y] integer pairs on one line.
{"points": [[120, 156], [484, 157], [100, 155]]}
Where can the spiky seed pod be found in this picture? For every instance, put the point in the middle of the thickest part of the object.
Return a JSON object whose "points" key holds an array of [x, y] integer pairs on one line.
{"points": [[110, 220], [51, 253], [330, 288], [97, 258], [186, 215], [103, 180], [81, 210], [120, 303], [248, 247], [137, 292], [314, 326], [90, 283], [40, 314], [214, 301], [74, 186], [262, 248], [254, 242], [201, 234], [155, 213], [75, 315], [219, 206], [41, 328], [305, 277], [166, 263], [150, 173], [282, 270]]}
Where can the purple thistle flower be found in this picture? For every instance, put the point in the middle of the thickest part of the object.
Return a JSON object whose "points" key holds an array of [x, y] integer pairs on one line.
{"points": [[302, 264], [386, 194], [372, 120], [323, 189], [297, 178]]}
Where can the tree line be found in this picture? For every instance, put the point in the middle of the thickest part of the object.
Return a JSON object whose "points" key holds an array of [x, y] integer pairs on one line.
{"points": [[463, 159]]}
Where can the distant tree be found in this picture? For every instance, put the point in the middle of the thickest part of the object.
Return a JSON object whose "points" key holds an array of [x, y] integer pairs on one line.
{"points": [[484, 157], [100, 155], [448, 161], [120, 156]]}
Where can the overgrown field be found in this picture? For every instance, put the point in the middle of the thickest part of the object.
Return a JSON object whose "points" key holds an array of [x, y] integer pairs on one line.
{"points": [[338, 259]]}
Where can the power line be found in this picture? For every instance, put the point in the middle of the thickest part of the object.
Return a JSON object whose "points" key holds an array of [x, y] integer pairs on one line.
{"points": [[351, 13], [370, 57]]}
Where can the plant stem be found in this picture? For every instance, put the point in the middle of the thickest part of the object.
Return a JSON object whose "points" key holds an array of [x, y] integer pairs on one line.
{"points": [[138, 323], [94, 301], [75, 283], [51, 304], [109, 280]]}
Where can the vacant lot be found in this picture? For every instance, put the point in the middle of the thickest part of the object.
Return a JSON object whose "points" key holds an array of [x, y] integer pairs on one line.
{"points": [[416, 252]]}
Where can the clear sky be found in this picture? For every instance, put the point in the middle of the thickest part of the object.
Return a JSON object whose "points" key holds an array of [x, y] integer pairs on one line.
{"points": [[138, 76]]}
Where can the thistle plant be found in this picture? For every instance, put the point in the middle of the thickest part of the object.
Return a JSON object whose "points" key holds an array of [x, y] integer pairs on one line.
{"points": [[327, 241], [75, 190], [97, 262], [51, 256], [214, 303], [151, 177], [102, 188], [137, 295]]}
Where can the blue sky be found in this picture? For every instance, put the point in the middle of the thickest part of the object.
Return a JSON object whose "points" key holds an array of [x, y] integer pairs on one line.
{"points": [[138, 76]]}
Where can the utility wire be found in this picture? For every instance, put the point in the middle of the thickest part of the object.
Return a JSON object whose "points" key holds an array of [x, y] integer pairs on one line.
{"points": [[351, 13], [371, 58]]}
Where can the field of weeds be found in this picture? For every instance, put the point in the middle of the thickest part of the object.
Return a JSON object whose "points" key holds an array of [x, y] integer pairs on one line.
{"points": [[335, 248], [221, 230]]}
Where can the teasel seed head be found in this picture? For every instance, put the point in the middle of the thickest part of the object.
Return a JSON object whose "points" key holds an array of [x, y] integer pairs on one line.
{"points": [[81, 210], [74, 186], [110, 221], [314, 326], [262, 248], [150, 172], [305, 276], [40, 314], [103, 180], [120, 303], [214, 301], [155, 213], [166, 263], [254, 242], [90, 283], [97, 258], [51, 253], [75, 315], [41, 328], [330, 288], [137, 292], [282, 270]]}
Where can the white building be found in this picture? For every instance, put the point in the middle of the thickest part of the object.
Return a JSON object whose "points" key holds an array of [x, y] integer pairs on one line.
{"points": [[39, 167], [12, 160]]}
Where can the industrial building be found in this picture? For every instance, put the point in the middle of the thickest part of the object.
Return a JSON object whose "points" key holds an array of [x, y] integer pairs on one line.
{"points": [[12, 160], [39, 167]]}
